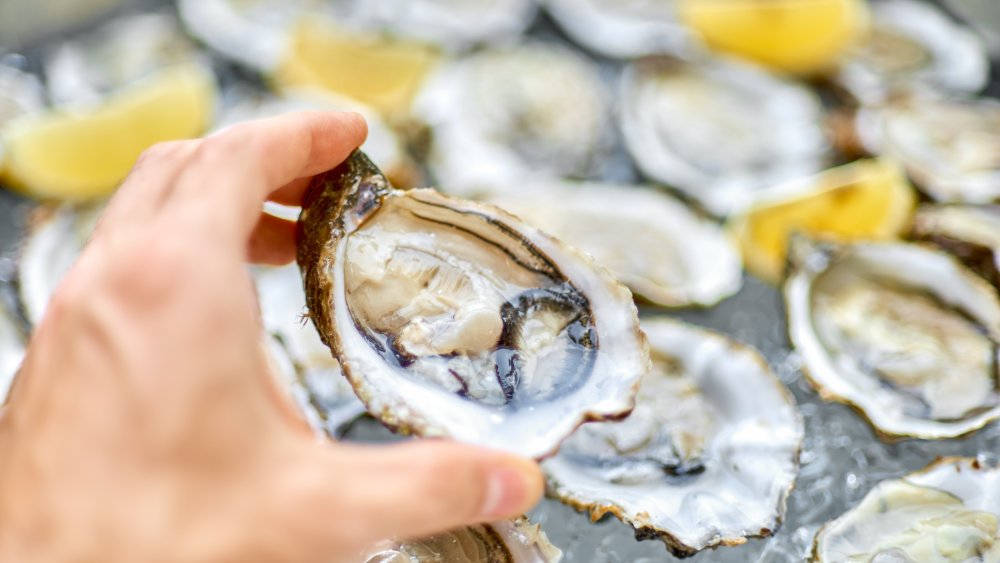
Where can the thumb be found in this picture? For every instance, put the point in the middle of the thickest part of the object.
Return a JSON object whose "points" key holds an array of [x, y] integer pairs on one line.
{"points": [[424, 487]]}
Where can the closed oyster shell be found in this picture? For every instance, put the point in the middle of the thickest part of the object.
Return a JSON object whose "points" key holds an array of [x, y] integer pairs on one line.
{"points": [[706, 459], [905, 334], [949, 511], [624, 29], [506, 115], [510, 541], [720, 131], [914, 47], [950, 146], [651, 242], [453, 318]]}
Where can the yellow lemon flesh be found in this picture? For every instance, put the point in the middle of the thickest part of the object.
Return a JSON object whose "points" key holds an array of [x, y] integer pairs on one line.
{"points": [[383, 73], [801, 36], [868, 200], [85, 154]]}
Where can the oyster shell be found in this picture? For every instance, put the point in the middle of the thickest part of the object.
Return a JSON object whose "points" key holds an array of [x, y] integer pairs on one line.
{"points": [[914, 46], [623, 29], [905, 334], [970, 232], [283, 309], [947, 512], [54, 242], [536, 110], [12, 347], [949, 146], [511, 541], [453, 318], [708, 456], [720, 131], [651, 242], [253, 33]]}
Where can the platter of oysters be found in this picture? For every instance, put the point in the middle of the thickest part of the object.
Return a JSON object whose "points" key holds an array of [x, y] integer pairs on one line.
{"points": [[729, 270]]}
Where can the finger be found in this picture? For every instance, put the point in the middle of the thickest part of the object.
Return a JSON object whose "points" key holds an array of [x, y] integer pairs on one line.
{"points": [[292, 192], [272, 241], [420, 488]]}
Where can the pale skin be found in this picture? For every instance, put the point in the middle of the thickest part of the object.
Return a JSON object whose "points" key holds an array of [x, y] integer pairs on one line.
{"points": [[146, 424]]}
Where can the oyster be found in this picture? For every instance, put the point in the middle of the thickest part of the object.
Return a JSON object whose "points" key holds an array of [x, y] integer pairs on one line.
{"points": [[623, 28], [87, 69], [720, 131], [652, 243], [53, 244], [453, 318], [512, 541], [970, 232], [708, 456], [456, 24], [913, 46], [253, 33], [327, 392], [948, 513], [504, 115], [904, 333], [12, 346], [949, 146]]}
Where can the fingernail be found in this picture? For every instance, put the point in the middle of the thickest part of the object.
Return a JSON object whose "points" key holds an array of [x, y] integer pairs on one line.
{"points": [[506, 492]]}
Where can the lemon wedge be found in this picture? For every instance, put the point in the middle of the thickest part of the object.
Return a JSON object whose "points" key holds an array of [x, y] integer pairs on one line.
{"points": [[802, 36], [84, 154], [868, 199], [381, 72]]}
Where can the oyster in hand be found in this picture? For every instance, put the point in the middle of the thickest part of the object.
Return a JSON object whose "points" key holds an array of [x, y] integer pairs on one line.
{"points": [[510, 541], [454, 318]]}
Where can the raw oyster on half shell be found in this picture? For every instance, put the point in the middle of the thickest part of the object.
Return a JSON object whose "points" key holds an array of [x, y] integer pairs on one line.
{"points": [[914, 47], [512, 541], [504, 115], [970, 232], [904, 333], [720, 131], [454, 318], [948, 512], [624, 28], [651, 242], [949, 146], [708, 456]]}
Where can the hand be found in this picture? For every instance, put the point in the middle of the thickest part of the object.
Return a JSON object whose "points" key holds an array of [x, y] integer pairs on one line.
{"points": [[145, 424]]}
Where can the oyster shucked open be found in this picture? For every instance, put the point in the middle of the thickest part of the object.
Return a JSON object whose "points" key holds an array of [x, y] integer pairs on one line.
{"points": [[454, 318]]}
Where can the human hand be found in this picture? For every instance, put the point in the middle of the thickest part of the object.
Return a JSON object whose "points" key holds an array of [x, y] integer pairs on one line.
{"points": [[146, 424]]}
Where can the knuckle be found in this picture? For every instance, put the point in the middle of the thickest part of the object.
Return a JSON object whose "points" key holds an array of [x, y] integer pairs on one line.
{"points": [[162, 151]]}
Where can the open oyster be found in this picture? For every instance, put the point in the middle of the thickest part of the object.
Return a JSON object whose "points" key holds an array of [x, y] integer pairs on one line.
{"points": [[652, 243], [970, 232], [949, 146], [87, 69], [283, 309], [12, 345], [720, 131], [948, 512], [904, 333], [623, 28], [512, 541], [55, 240], [506, 115], [453, 318], [914, 46], [707, 457]]}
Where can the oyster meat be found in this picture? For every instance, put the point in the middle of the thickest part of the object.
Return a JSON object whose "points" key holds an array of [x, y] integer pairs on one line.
{"points": [[708, 456], [512, 541], [970, 232], [904, 333], [87, 69], [508, 114], [328, 398], [624, 29], [946, 513], [914, 47], [720, 131], [651, 242], [454, 318], [949, 146]]}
